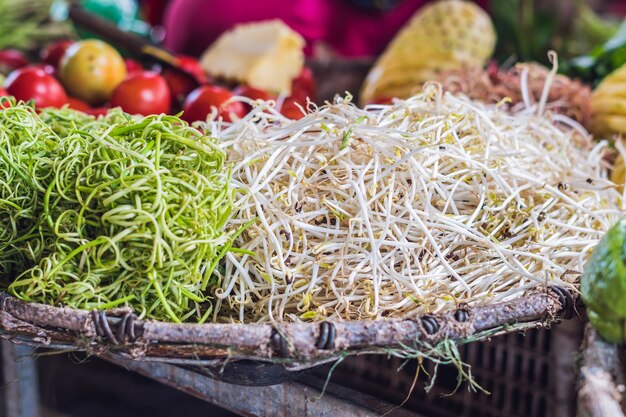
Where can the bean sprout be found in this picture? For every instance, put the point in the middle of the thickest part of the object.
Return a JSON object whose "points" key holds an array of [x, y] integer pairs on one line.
{"points": [[407, 208]]}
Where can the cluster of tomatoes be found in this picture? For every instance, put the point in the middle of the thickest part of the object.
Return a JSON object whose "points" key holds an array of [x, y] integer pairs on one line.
{"points": [[91, 76]]}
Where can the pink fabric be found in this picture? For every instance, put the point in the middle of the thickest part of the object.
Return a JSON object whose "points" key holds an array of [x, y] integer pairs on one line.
{"points": [[192, 25], [357, 32]]}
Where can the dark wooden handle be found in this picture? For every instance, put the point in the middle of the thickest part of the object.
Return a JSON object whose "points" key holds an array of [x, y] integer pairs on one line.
{"points": [[106, 29], [135, 45]]}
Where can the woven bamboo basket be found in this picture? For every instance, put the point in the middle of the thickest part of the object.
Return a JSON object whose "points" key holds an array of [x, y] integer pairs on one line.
{"points": [[283, 347]]}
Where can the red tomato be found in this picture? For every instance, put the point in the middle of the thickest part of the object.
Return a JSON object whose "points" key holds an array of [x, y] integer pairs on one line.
{"points": [[11, 59], [290, 109], [53, 53], [253, 93], [132, 66], [48, 69], [78, 104], [192, 66], [142, 93], [303, 85], [97, 111], [200, 102], [31, 83], [381, 100], [180, 84]]}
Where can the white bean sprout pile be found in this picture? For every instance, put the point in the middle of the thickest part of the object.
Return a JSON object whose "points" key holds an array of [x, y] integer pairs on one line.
{"points": [[407, 208]]}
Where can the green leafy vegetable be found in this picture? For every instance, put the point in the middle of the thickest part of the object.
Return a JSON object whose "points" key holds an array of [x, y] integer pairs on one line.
{"points": [[528, 29], [118, 210], [601, 61]]}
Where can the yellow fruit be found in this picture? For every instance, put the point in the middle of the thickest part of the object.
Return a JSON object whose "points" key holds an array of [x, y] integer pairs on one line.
{"points": [[411, 75], [266, 55], [397, 83], [608, 105], [402, 91], [91, 69], [611, 88], [606, 125], [447, 34]]}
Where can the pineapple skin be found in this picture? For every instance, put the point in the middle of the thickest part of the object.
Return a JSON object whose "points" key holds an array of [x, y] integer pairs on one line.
{"points": [[444, 35]]}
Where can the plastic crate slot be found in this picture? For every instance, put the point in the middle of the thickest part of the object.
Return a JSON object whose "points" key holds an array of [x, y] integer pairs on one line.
{"points": [[531, 369], [479, 354], [545, 375], [547, 343], [542, 409], [517, 365], [515, 401]]}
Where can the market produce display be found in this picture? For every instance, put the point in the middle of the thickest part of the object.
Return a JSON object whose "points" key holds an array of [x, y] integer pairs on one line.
{"points": [[413, 207], [99, 213], [91, 76], [282, 198], [348, 213], [443, 35], [475, 184]]}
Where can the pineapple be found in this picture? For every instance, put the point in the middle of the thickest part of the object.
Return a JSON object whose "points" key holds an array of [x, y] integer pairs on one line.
{"points": [[266, 55], [448, 34]]}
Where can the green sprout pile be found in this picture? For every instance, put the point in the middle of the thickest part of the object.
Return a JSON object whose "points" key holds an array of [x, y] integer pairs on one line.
{"points": [[119, 210]]}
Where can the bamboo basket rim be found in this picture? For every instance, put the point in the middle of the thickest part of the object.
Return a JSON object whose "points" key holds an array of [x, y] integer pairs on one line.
{"points": [[296, 346]]}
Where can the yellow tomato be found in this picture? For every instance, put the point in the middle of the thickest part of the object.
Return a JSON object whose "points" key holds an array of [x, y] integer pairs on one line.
{"points": [[91, 69]]}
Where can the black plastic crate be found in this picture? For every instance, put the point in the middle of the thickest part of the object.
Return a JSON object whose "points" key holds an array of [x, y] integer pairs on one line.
{"points": [[530, 374]]}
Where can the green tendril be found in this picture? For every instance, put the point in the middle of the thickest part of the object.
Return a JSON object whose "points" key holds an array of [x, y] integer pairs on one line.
{"points": [[118, 210]]}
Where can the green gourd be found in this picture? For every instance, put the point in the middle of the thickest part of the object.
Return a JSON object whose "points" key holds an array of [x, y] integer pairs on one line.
{"points": [[603, 285]]}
